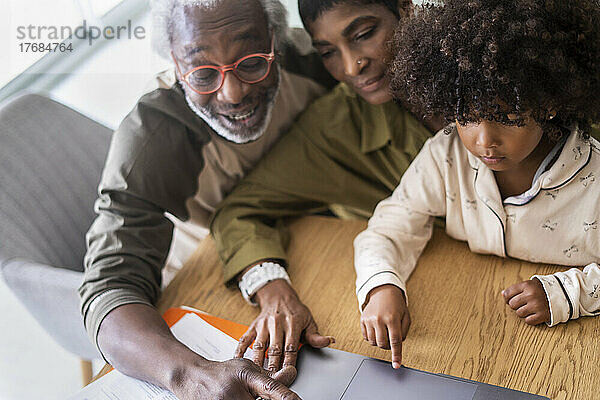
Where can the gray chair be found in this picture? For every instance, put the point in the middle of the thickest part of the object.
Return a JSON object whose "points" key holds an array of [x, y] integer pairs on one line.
{"points": [[51, 159]]}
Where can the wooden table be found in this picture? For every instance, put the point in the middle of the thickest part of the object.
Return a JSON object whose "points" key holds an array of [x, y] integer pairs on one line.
{"points": [[460, 324]]}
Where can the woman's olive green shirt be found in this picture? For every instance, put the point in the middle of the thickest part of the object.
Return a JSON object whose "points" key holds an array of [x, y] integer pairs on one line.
{"points": [[343, 154]]}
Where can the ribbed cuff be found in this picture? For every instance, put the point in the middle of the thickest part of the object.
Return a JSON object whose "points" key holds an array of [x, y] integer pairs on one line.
{"points": [[103, 304], [561, 306], [250, 253], [385, 277]]}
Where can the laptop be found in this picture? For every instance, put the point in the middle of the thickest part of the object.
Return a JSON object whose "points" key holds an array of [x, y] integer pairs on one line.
{"points": [[329, 374]]}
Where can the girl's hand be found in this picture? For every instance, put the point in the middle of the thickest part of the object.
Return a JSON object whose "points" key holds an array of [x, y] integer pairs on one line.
{"points": [[529, 301], [385, 320]]}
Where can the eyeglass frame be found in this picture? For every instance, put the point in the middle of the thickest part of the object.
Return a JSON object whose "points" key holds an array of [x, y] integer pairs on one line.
{"points": [[270, 57]]}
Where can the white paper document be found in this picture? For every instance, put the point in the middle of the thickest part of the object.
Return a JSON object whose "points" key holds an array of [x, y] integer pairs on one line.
{"points": [[192, 331]]}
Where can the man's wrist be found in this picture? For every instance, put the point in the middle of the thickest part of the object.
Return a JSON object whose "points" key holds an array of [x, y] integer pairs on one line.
{"points": [[137, 341], [185, 368]]}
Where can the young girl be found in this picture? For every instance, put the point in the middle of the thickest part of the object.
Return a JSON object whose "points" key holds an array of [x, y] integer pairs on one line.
{"points": [[516, 174]]}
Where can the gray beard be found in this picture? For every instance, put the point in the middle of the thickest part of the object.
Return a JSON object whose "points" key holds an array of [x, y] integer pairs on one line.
{"points": [[245, 136]]}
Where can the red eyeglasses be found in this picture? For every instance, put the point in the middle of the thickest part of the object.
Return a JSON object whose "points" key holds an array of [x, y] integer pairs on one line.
{"points": [[207, 79]]}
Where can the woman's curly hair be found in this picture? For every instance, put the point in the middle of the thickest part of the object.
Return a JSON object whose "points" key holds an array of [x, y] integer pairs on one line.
{"points": [[483, 59]]}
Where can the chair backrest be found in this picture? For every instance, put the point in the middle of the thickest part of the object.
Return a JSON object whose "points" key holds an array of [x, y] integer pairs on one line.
{"points": [[51, 159], [50, 295]]}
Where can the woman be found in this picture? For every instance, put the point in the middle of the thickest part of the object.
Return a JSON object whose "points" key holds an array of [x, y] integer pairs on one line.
{"points": [[351, 39], [345, 153]]}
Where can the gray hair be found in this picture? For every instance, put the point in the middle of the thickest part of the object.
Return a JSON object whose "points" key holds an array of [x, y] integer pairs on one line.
{"points": [[163, 21]]}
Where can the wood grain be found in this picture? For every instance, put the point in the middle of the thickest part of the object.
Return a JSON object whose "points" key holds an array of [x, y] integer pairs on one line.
{"points": [[460, 327]]}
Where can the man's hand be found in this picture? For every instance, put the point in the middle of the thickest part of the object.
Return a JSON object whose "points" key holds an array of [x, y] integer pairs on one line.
{"points": [[385, 320], [234, 379], [529, 301], [137, 341], [282, 320]]}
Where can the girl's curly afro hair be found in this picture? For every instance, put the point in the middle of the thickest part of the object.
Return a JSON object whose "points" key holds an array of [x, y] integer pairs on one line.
{"points": [[483, 59]]}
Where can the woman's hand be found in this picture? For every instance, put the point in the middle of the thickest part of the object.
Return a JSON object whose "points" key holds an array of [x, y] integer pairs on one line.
{"points": [[282, 321]]}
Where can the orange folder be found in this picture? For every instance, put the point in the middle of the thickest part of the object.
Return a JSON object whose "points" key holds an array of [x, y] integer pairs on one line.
{"points": [[233, 329]]}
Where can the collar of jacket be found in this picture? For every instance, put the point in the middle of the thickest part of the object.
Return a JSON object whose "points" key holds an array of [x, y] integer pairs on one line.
{"points": [[376, 121], [574, 156]]}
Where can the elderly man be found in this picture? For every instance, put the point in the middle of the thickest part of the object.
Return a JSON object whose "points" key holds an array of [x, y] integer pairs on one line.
{"points": [[172, 160]]}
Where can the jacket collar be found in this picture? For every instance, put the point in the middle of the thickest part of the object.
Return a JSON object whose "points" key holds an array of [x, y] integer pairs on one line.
{"points": [[376, 130], [376, 121], [574, 156]]}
